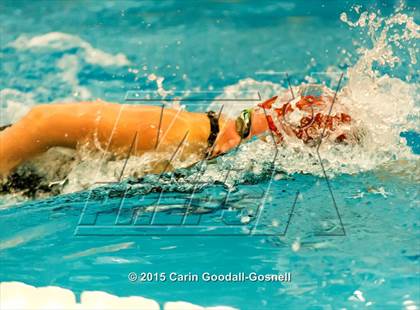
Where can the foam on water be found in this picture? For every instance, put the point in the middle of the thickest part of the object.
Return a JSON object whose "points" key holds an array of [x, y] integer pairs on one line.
{"points": [[62, 42]]}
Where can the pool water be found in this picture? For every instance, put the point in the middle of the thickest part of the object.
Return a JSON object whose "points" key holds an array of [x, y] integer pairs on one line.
{"points": [[361, 251]]}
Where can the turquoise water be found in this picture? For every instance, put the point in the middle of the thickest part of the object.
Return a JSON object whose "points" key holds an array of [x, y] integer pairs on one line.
{"points": [[202, 47]]}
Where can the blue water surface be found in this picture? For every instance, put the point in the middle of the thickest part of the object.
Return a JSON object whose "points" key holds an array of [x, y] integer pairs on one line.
{"points": [[208, 45]]}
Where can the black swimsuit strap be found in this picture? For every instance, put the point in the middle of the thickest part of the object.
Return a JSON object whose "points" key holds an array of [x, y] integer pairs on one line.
{"points": [[214, 130]]}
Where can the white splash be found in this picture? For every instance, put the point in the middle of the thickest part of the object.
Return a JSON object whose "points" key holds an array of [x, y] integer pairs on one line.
{"points": [[383, 107], [80, 177]]}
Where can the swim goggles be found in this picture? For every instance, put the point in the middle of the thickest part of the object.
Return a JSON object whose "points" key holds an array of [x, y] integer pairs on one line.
{"points": [[243, 123]]}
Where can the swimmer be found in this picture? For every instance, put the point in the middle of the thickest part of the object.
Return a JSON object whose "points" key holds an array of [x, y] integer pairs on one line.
{"points": [[122, 128]]}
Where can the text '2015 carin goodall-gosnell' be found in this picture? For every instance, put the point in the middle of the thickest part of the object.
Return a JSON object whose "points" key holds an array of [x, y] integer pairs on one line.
{"points": [[209, 277]]}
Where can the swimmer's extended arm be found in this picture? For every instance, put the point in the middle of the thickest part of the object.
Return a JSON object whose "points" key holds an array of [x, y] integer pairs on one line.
{"points": [[22, 141], [98, 125]]}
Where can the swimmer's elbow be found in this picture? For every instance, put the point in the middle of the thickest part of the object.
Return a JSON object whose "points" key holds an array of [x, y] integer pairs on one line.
{"points": [[36, 114]]}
